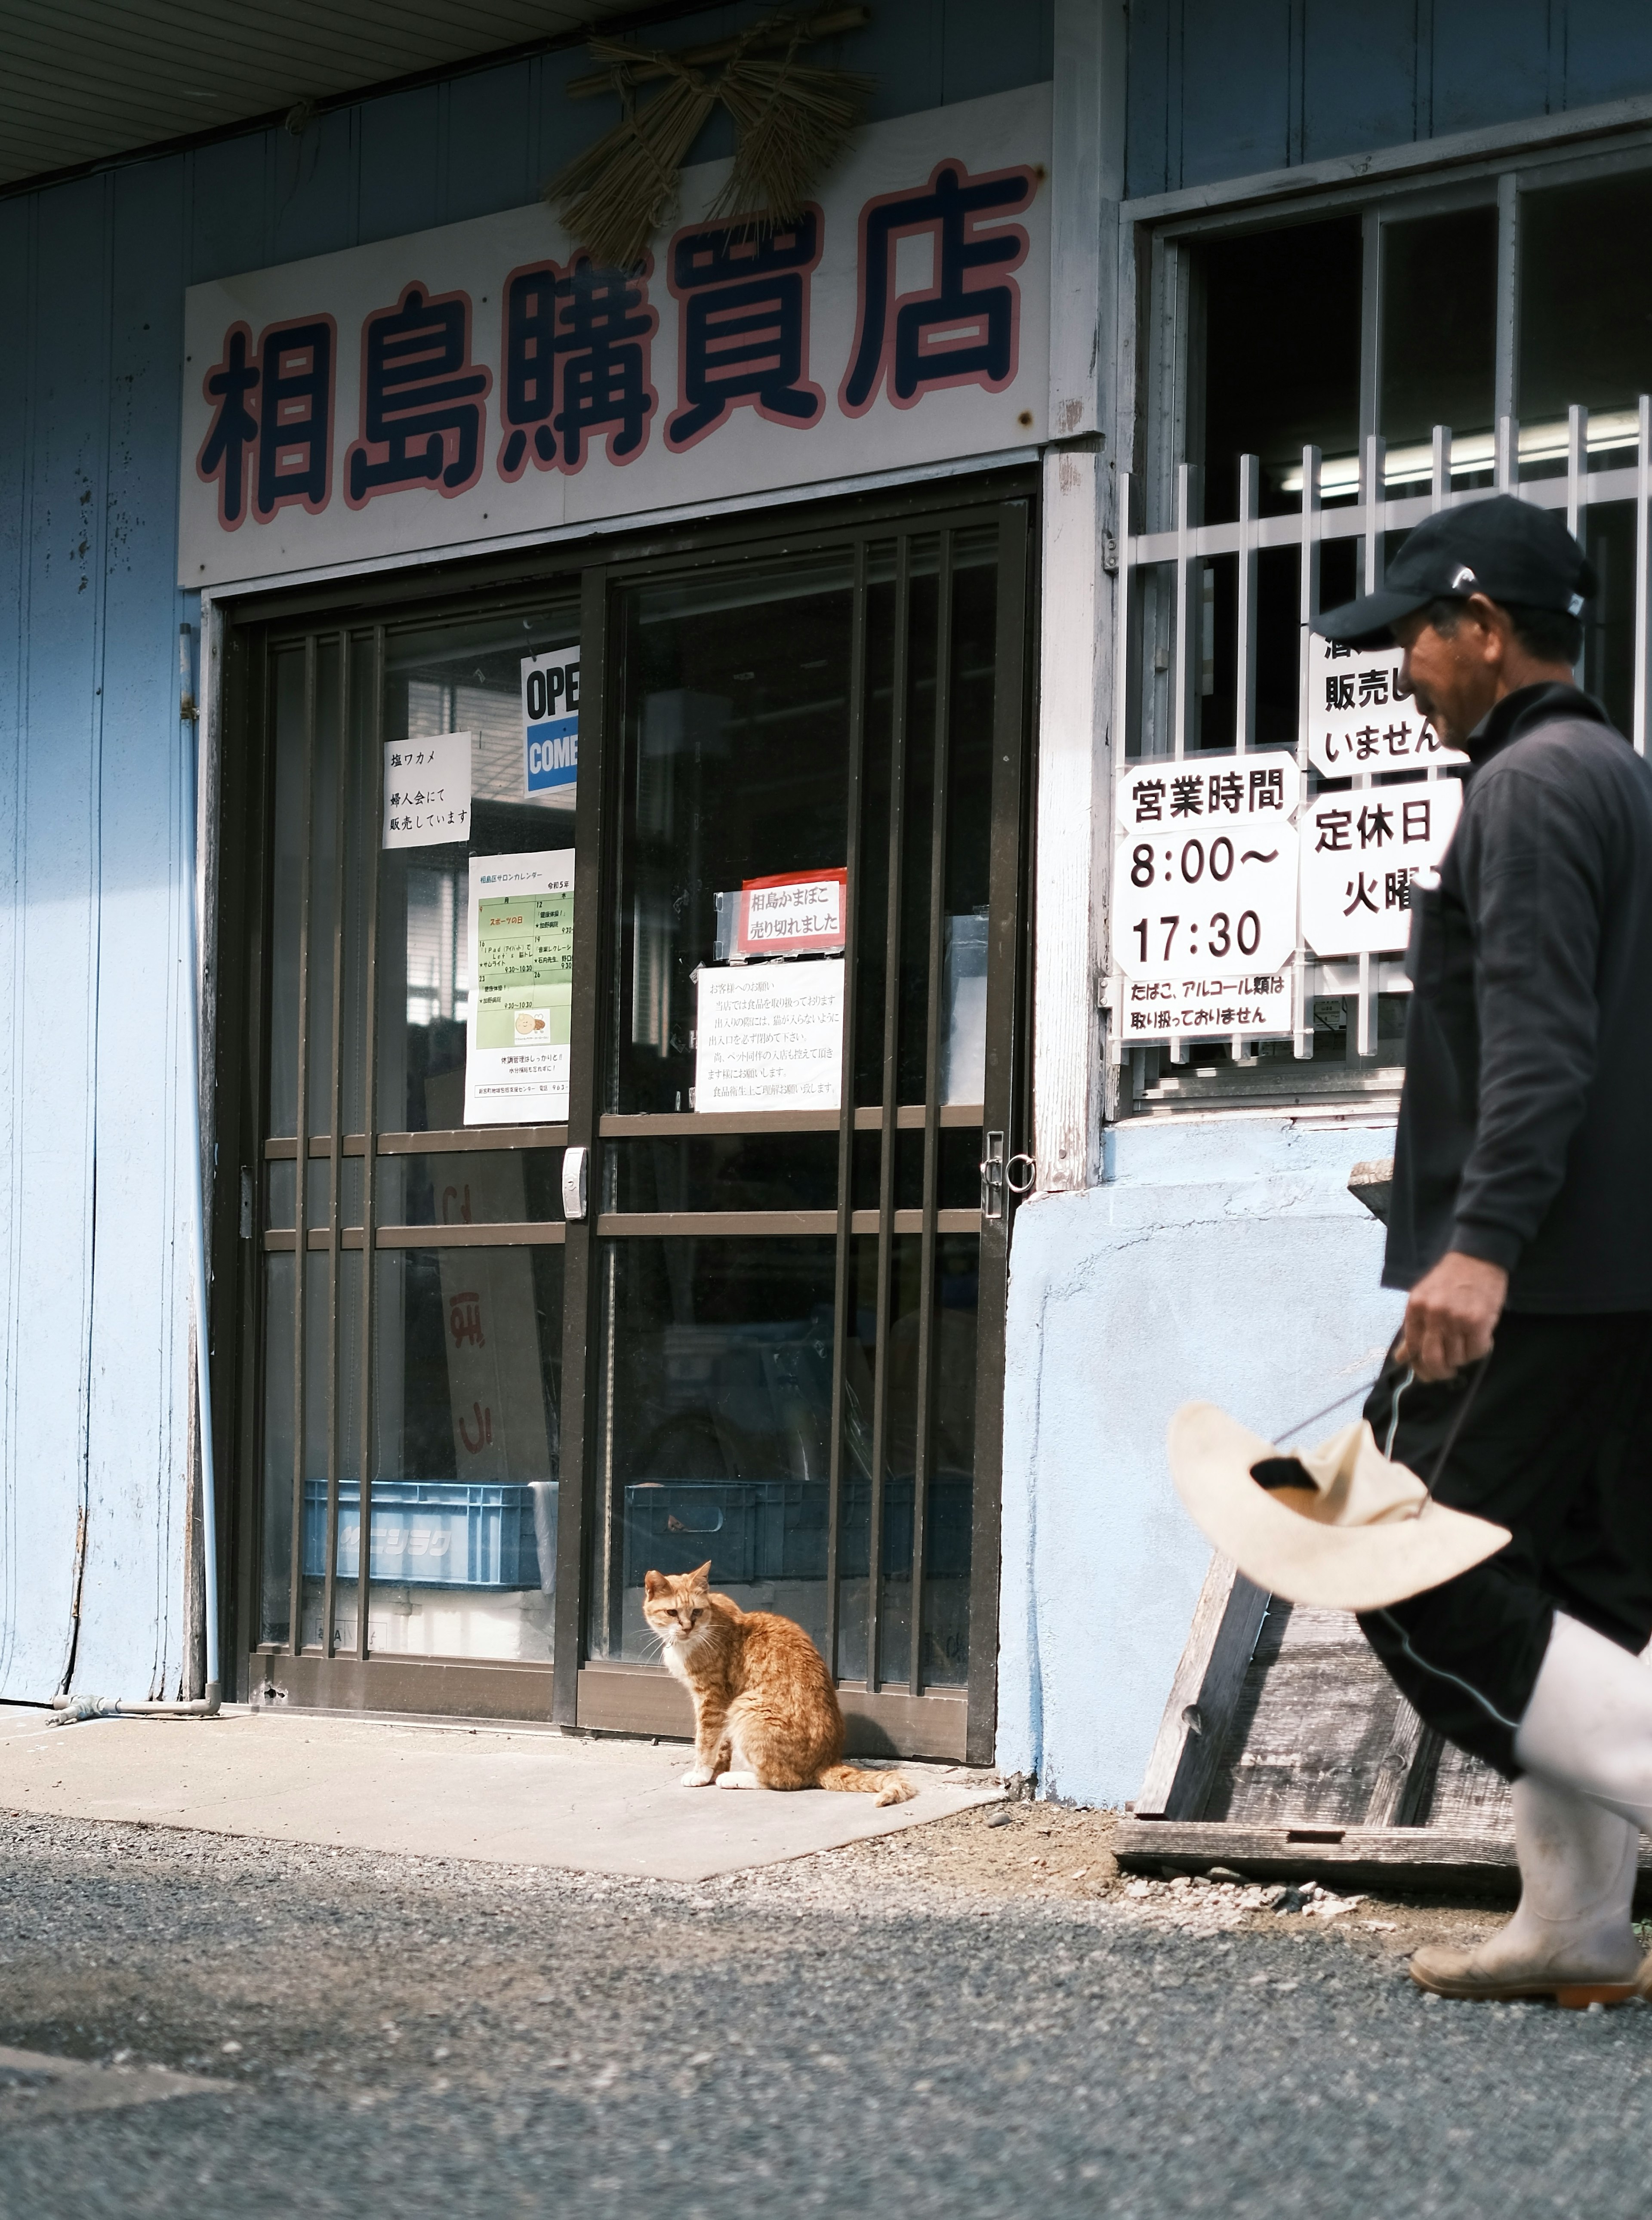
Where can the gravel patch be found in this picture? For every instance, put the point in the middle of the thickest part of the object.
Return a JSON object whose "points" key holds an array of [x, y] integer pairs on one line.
{"points": [[972, 2018]]}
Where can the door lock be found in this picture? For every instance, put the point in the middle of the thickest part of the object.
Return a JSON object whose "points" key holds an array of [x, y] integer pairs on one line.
{"points": [[992, 1178], [573, 1184]]}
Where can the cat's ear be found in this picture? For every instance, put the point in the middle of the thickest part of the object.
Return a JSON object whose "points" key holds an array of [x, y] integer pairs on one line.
{"points": [[700, 1577], [652, 1583]]}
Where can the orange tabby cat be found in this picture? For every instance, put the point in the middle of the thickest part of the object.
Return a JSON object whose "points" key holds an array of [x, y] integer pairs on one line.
{"points": [[765, 1712]]}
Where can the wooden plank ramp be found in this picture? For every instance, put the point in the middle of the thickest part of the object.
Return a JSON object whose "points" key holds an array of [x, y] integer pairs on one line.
{"points": [[1286, 1753]]}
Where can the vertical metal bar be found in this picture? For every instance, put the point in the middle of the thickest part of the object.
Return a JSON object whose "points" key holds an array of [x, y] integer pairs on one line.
{"points": [[1307, 613], [1577, 465], [1186, 497], [842, 1304], [300, 1241], [1440, 467], [594, 1039], [1181, 670], [374, 745], [1003, 1110], [1643, 566], [1123, 656], [335, 1152], [1244, 704], [1250, 504], [889, 1129], [924, 1435], [1374, 488], [1505, 377], [1508, 467]]}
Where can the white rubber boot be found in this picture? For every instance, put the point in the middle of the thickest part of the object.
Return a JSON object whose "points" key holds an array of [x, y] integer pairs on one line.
{"points": [[1589, 1722], [1572, 1936]]}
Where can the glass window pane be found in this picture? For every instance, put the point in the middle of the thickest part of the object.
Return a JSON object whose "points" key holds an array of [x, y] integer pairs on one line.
{"points": [[275, 1549], [714, 1427], [1585, 304], [291, 838], [735, 722], [467, 1453], [457, 676], [477, 1187], [1439, 344], [1278, 366]]}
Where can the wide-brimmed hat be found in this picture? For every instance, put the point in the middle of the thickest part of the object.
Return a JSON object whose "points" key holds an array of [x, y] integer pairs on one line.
{"points": [[1340, 1525]]}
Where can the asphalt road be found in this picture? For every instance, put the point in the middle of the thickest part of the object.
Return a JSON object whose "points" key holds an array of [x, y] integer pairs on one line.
{"points": [[846, 2036]]}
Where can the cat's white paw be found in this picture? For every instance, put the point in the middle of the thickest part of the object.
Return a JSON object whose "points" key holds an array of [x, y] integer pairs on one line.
{"points": [[698, 1776], [739, 1780]]}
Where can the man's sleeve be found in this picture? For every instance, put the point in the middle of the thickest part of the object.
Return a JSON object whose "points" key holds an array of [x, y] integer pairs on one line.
{"points": [[1534, 883]]}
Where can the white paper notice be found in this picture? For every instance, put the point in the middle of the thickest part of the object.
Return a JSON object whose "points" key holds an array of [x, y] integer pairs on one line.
{"points": [[517, 1027], [1258, 1002], [770, 1036], [1357, 721], [427, 791], [1363, 852]]}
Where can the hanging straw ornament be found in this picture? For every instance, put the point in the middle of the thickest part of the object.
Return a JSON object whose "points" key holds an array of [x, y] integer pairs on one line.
{"points": [[791, 122]]}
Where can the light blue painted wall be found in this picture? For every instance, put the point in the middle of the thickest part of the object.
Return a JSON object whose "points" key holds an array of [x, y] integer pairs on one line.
{"points": [[93, 1355], [1221, 1259], [1220, 90]]}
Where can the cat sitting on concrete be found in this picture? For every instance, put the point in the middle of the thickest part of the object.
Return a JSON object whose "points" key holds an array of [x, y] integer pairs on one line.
{"points": [[765, 1712]]}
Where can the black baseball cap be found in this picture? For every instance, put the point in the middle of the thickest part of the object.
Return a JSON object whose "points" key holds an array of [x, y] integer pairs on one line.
{"points": [[1518, 556]]}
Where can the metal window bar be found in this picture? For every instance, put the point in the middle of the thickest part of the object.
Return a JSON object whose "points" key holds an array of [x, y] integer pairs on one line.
{"points": [[374, 743], [1186, 543], [294, 1591], [887, 1145], [848, 1116], [335, 1160], [924, 1447]]}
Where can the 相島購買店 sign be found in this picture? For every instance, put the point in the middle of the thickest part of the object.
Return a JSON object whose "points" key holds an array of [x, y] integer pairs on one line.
{"points": [[485, 381]]}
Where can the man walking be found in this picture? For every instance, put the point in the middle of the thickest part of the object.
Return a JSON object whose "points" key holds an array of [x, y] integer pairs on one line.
{"points": [[1521, 1225]]}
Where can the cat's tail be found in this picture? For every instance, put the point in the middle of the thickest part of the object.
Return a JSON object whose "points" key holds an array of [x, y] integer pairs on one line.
{"points": [[888, 1787]]}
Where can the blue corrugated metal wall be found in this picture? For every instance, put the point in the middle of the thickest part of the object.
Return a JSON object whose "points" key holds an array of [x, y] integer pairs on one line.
{"points": [[1220, 90], [93, 1356]]}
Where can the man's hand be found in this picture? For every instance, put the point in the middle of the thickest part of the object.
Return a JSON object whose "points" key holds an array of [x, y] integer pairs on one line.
{"points": [[1451, 1315]]}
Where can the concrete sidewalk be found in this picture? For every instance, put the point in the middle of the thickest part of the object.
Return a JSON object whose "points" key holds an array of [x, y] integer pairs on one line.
{"points": [[507, 1797]]}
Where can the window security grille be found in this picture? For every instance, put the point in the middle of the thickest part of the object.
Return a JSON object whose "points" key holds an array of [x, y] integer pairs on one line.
{"points": [[1163, 613]]}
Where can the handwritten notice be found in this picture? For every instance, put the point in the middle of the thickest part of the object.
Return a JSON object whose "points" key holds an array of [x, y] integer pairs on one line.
{"points": [[770, 1036], [427, 791]]}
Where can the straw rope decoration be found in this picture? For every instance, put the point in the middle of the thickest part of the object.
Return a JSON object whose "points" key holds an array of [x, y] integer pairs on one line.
{"points": [[791, 122]]}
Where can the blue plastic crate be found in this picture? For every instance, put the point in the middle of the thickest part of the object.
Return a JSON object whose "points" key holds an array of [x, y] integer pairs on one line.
{"points": [[433, 1533], [775, 1530]]}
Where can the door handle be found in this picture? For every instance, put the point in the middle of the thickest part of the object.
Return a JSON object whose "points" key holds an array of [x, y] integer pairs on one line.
{"points": [[573, 1184], [992, 1178]]}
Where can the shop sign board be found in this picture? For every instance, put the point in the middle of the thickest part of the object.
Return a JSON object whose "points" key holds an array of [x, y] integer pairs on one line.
{"points": [[551, 725], [1363, 851], [486, 382], [770, 1036], [427, 791], [520, 944], [1204, 895], [1358, 719]]}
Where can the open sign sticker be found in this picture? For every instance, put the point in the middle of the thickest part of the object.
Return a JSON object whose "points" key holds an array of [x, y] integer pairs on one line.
{"points": [[550, 719]]}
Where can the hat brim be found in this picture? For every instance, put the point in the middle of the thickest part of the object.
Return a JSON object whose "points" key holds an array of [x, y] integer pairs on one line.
{"points": [[1369, 622], [1335, 1567]]}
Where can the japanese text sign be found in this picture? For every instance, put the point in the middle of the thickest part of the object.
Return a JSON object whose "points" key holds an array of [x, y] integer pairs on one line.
{"points": [[518, 1022], [1358, 719], [1204, 895], [487, 381], [1363, 852], [427, 791], [770, 1036], [792, 915]]}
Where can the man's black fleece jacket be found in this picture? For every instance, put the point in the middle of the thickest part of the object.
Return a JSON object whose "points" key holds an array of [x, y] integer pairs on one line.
{"points": [[1525, 1124]]}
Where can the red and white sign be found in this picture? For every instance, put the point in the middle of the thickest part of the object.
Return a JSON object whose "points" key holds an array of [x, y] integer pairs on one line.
{"points": [[797, 913]]}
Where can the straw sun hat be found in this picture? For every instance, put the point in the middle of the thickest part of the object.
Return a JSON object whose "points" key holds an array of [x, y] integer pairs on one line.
{"points": [[1340, 1525]]}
